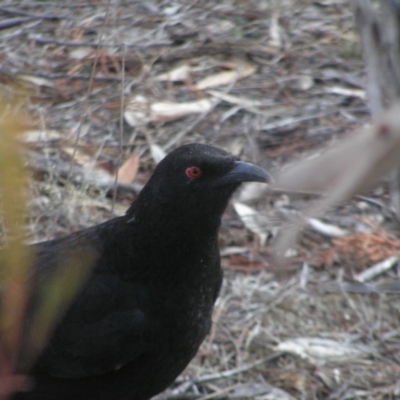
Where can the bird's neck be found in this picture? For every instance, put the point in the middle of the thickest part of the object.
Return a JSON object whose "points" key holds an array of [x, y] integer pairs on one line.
{"points": [[174, 219], [185, 227], [179, 238]]}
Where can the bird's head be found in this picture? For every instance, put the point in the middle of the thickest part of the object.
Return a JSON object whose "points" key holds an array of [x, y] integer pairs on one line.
{"points": [[197, 181]]}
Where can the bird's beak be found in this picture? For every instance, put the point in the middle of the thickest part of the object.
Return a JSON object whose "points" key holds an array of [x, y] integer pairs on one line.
{"points": [[245, 172]]}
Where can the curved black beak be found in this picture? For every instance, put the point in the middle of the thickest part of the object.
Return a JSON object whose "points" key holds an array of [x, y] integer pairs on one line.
{"points": [[245, 172]]}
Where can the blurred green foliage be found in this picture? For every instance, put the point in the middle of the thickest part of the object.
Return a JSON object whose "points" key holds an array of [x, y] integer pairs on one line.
{"points": [[20, 332]]}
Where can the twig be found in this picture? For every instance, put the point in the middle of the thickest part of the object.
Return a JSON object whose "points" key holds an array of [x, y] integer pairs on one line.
{"points": [[52, 17], [43, 40], [229, 373], [85, 77], [10, 23], [121, 124], [90, 86]]}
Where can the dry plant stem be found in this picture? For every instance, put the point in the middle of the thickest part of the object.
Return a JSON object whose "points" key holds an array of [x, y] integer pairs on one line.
{"points": [[376, 150], [378, 24], [229, 373], [121, 125], [90, 86], [219, 392], [84, 77], [43, 40], [13, 11]]}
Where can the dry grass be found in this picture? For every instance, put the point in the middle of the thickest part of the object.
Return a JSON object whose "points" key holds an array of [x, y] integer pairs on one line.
{"points": [[277, 332]]}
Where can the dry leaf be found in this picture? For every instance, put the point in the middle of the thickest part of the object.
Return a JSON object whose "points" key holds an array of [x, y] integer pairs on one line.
{"points": [[35, 136], [157, 153], [79, 156], [240, 101], [321, 351], [305, 82], [326, 229], [252, 191], [242, 70], [128, 170], [253, 220], [347, 92], [37, 80], [178, 74], [137, 111], [377, 269], [275, 31], [140, 111], [80, 52], [168, 111]]}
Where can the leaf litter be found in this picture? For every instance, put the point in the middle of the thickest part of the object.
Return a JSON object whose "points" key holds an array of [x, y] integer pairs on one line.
{"points": [[271, 82]]}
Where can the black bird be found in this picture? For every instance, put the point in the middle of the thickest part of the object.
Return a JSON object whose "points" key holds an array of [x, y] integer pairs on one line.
{"points": [[145, 309]]}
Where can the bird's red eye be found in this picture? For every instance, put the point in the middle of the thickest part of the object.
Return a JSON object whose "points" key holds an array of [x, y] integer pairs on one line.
{"points": [[194, 172]]}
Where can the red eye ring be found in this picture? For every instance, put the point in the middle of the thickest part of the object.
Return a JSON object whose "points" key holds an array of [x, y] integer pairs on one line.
{"points": [[193, 172]]}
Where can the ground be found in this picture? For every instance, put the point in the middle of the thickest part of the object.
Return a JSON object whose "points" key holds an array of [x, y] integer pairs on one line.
{"points": [[111, 86]]}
